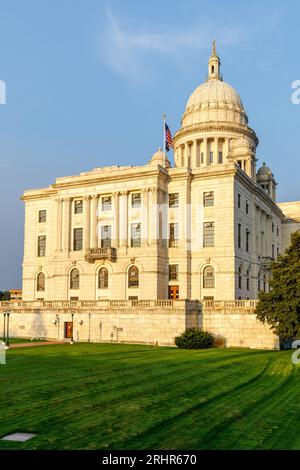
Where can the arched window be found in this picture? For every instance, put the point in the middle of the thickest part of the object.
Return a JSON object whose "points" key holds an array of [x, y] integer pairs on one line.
{"points": [[133, 277], [209, 277], [40, 282], [103, 278], [74, 279]]}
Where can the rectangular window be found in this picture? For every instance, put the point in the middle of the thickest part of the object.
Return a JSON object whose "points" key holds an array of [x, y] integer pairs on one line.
{"points": [[239, 235], [208, 198], [211, 157], [135, 235], [174, 200], [247, 240], [42, 216], [220, 157], [208, 234], [173, 235], [277, 231], [202, 158], [106, 236], [106, 203], [78, 207], [42, 245], [239, 201], [173, 272], [77, 241], [273, 251], [136, 200], [277, 252], [247, 207], [273, 227]]}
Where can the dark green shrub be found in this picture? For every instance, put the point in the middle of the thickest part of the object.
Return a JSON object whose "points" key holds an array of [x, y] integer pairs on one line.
{"points": [[193, 338]]}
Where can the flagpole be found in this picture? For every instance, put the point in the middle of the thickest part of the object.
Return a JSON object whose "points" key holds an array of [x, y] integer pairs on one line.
{"points": [[164, 137]]}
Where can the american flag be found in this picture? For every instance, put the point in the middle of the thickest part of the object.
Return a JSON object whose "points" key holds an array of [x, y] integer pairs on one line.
{"points": [[169, 140]]}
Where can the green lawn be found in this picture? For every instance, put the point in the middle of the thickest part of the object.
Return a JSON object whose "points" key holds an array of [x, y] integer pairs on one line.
{"points": [[90, 396]]}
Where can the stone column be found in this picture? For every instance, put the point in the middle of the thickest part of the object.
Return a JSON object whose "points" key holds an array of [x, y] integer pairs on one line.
{"points": [[124, 219], [93, 223], [205, 149], [215, 150], [66, 224], [194, 153], [116, 239], [59, 224], [86, 227], [154, 216], [145, 217]]}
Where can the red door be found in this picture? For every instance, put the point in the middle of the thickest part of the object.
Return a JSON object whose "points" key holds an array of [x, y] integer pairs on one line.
{"points": [[173, 292], [68, 329]]}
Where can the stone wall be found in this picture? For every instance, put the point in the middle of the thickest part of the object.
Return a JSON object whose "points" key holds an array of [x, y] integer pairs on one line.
{"points": [[151, 322]]}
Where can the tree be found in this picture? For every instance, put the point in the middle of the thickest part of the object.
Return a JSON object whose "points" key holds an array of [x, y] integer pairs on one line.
{"points": [[280, 307], [4, 295]]}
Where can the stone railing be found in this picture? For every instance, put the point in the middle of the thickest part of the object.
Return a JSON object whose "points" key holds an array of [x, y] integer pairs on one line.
{"points": [[93, 254], [96, 304], [224, 304]]}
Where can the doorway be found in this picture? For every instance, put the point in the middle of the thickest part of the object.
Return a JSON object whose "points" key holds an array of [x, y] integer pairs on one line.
{"points": [[68, 329], [174, 292]]}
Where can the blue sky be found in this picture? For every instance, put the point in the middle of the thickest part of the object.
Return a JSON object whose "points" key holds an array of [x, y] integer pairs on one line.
{"points": [[88, 81]]}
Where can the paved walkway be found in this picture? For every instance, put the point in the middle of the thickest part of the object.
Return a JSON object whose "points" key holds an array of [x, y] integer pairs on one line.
{"points": [[35, 343]]}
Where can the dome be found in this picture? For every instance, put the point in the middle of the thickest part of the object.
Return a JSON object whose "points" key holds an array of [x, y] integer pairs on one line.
{"points": [[158, 158], [264, 171], [214, 100]]}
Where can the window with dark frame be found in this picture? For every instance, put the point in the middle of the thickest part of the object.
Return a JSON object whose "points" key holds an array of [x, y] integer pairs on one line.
{"points": [[208, 277], [42, 246], [136, 200], [106, 236], [173, 272], [239, 201], [103, 278], [220, 157], [40, 282], [239, 235], [208, 234], [173, 234], [42, 216], [133, 276], [174, 200], [208, 198], [78, 206], [240, 277], [135, 235], [106, 203], [74, 279], [247, 240], [78, 238]]}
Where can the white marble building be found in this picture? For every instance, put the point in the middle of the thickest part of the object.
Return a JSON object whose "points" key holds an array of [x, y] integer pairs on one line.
{"points": [[206, 228]]}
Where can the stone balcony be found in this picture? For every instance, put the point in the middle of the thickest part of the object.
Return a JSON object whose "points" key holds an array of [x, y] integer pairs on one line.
{"points": [[267, 261], [94, 254]]}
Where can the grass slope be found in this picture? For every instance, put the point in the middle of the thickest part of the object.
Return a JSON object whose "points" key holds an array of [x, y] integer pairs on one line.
{"points": [[105, 396]]}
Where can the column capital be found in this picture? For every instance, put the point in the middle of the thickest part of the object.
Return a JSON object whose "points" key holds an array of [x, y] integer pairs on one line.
{"points": [[116, 194], [145, 190], [94, 197], [86, 197], [124, 193]]}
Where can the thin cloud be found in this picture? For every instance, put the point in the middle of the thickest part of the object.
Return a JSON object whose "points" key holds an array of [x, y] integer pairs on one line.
{"points": [[127, 52]]}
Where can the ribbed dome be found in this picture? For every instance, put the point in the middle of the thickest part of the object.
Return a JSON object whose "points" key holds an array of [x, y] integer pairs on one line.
{"points": [[214, 100], [264, 171]]}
